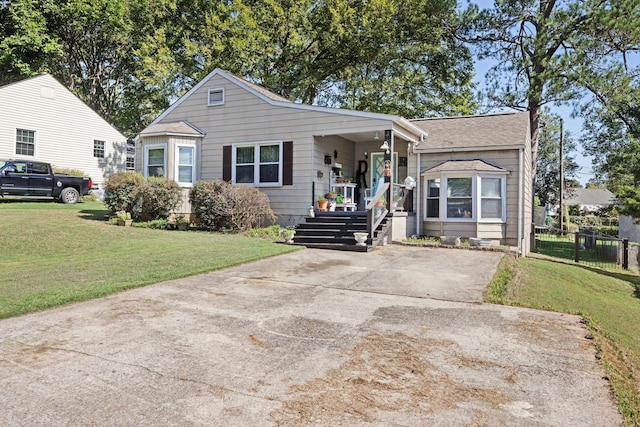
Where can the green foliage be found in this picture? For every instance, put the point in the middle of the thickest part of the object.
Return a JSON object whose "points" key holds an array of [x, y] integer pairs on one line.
{"points": [[219, 205], [547, 183], [499, 285], [271, 233], [121, 192], [129, 59], [158, 197], [157, 224], [549, 52], [144, 200], [68, 171]]}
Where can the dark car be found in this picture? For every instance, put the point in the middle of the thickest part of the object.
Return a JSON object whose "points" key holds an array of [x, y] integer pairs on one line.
{"points": [[25, 178]]}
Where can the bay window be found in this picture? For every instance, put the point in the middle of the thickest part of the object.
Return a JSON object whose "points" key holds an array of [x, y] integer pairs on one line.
{"points": [[473, 197]]}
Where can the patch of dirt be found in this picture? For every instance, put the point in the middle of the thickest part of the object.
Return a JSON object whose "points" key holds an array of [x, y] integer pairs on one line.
{"points": [[384, 373]]}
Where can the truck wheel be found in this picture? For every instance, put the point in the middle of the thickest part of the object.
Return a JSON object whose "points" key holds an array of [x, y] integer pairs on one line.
{"points": [[69, 196]]}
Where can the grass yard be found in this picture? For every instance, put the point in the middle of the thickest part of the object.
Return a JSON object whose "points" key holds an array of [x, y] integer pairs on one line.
{"points": [[54, 254], [608, 300]]}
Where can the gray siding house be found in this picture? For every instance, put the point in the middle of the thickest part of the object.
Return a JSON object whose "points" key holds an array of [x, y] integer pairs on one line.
{"points": [[40, 119], [228, 128]]}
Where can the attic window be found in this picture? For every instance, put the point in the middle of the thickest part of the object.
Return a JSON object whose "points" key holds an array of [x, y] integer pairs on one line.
{"points": [[216, 96]]}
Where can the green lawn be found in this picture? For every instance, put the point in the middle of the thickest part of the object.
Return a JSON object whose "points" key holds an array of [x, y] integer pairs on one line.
{"points": [[608, 300], [54, 254]]}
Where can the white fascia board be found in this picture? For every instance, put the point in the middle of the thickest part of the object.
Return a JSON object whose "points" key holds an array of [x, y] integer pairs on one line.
{"points": [[460, 150]]}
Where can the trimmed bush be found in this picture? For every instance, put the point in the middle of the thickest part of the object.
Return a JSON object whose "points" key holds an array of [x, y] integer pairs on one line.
{"points": [[158, 197], [221, 206], [121, 192]]}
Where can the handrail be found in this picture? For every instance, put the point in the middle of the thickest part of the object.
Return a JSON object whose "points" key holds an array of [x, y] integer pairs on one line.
{"points": [[372, 221]]}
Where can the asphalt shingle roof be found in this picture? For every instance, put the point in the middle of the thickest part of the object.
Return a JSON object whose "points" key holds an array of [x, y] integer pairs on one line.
{"points": [[471, 132]]}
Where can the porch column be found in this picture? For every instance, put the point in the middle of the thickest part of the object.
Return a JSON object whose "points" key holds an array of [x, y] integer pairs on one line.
{"points": [[388, 167]]}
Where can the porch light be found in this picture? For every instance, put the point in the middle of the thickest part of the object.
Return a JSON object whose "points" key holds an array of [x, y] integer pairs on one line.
{"points": [[385, 147], [376, 136]]}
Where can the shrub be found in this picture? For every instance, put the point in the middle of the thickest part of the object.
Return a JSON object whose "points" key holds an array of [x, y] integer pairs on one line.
{"points": [[158, 224], [250, 208], [221, 206], [121, 192], [211, 205], [158, 197]]}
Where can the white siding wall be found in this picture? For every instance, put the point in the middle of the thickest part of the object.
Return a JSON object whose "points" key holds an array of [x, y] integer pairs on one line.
{"points": [[247, 118], [64, 126]]}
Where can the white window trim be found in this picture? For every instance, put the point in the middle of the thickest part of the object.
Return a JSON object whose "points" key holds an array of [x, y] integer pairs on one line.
{"points": [[503, 194], [146, 158], [256, 164], [104, 149], [35, 142], [217, 89], [177, 165], [475, 196]]}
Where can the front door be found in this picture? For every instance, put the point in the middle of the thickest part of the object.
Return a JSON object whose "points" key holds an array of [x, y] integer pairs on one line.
{"points": [[377, 168]]}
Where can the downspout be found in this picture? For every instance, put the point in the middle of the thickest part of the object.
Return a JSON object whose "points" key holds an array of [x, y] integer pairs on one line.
{"points": [[418, 201], [520, 201]]}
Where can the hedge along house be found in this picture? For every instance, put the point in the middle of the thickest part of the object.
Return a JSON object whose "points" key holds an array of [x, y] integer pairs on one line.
{"points": [[228, 128], [477, 178]]}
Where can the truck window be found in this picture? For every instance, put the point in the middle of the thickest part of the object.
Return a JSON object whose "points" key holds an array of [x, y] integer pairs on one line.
{"points": [[39, 168], [20, 167]]}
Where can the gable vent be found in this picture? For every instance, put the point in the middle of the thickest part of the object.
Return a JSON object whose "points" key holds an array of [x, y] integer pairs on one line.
{"points": [[47, 92], [216, 96]]}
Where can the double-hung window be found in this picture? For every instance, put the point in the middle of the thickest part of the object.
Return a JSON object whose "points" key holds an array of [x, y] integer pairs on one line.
{"points": [[491, 200], [185, 165], [258, 164], [155, 160], [433, 198], [98, 149], [25, 142], [460, 197]]}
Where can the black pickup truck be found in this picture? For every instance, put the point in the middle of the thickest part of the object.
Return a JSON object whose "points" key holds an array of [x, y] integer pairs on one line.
{"points": [[36, 179]]}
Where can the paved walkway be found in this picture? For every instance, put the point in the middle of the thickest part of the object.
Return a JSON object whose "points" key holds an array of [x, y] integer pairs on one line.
{"points": [[394, 337]]}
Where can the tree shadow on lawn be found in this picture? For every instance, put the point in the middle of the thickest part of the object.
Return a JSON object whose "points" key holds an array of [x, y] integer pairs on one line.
{"points": [[94, 214]]}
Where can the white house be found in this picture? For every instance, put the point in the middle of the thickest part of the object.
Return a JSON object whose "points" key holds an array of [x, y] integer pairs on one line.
{"points": [[40, 119]]}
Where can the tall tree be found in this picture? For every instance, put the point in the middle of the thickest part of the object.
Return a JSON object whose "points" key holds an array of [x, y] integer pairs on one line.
{"points": [[547, 183], [539, 46]]}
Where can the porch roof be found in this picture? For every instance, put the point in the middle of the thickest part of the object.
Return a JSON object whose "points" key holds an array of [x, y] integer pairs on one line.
{"points": [[465, 133], [465, 166]]}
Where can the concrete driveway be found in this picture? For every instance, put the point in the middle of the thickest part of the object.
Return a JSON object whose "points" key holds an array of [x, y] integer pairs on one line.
{"points": [[395, 337]]}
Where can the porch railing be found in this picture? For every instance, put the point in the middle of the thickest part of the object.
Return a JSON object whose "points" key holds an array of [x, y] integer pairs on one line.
{"points": [[376, 211]]}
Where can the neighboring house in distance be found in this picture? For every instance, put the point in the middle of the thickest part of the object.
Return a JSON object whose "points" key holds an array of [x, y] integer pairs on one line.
{"points": [[589, 200], [472, 174], [40, 119]]}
